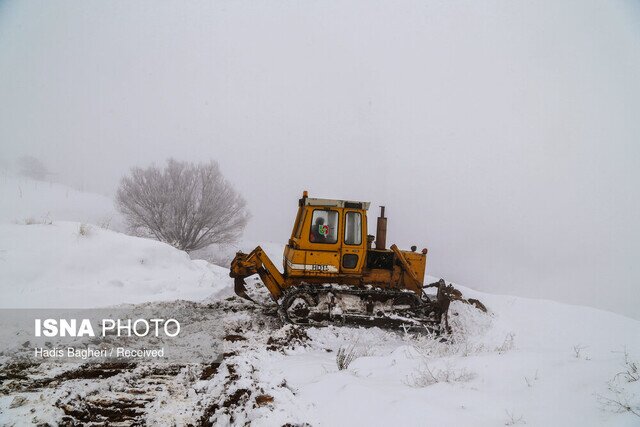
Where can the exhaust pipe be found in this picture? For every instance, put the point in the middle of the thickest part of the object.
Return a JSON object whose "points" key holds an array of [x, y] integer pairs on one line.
{"points": [[381, 232]]}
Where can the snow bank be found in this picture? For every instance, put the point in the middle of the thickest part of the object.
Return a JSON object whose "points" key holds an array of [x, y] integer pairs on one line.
{"points": [[69, 264]]}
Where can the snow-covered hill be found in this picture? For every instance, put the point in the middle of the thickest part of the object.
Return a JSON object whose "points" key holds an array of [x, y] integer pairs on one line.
{"points": [[71, 264], [30, 201], [57, 250]]}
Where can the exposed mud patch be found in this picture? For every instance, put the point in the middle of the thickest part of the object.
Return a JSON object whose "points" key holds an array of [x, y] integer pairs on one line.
{"points": [[263, 399], [288, 337], [209, 371]]}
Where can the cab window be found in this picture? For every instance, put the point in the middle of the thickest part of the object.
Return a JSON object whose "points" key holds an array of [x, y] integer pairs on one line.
{"points": [[353, 228], [324, 226]]}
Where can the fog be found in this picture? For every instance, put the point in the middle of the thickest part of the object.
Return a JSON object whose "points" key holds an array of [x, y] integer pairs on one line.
{"points": [[502, 135]]}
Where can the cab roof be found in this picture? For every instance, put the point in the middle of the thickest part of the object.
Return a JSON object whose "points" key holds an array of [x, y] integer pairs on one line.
{"points": [[307, 201]]}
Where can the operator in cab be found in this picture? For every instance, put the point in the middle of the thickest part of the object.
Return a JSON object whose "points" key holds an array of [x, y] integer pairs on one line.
{"points": [[318, 231]]}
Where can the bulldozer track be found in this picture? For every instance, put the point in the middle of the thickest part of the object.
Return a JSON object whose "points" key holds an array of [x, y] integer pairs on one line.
{"points": [[404, 309]]}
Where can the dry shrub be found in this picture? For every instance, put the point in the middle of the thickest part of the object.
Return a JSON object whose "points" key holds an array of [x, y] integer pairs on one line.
{"points": [[426, 376], [345, 356], [84, 230]]}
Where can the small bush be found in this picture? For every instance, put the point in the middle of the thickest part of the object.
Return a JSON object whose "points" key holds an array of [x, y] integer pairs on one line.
{"points": [[105, 223], [621, 399], [631, 372], [507, 344], [513, 419], [620, 402], [530, 381], [577, 350], [84, 230], [46, 220], [345, 356], [425, 376]]}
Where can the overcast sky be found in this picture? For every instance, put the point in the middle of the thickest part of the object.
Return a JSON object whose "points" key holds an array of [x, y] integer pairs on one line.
{"points": [[502, 135]]}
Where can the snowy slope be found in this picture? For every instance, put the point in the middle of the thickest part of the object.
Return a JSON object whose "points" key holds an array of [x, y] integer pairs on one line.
{"points": [[529, 362], [46, 261], [56, 265], [26, 200]]}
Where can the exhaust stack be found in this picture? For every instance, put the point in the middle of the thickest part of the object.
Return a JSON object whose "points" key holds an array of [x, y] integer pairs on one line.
{"points": [[381, 232]]}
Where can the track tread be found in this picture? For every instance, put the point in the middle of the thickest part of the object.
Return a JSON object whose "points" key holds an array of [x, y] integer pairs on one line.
{"points": [[423, 314]]}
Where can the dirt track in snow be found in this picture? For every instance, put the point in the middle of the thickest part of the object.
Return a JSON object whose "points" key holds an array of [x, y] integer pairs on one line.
{"points": [[126, 393]]}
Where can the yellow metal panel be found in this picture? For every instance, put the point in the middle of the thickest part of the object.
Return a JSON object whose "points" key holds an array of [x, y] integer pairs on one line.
{"points": [[294, 262], [296, 224], [320, 263], [417, 261]]}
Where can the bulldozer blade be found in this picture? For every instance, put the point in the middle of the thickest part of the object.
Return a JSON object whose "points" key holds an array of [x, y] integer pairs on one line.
{"points": [[239, 286]]}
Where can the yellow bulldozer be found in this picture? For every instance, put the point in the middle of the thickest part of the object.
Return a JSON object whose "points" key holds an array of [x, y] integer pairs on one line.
{"points": [[334, 275]]}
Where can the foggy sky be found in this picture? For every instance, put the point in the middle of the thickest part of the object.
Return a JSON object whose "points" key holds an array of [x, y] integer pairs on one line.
{"points": [[502, 135]]}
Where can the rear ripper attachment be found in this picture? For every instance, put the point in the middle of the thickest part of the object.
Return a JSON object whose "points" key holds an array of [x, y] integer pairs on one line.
{"points": [[332, 275]]}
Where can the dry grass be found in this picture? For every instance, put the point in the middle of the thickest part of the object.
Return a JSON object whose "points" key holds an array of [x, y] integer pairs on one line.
{"points": [[344, 357], [513, 419], [621, 399], [426, 376], [84, 230]]}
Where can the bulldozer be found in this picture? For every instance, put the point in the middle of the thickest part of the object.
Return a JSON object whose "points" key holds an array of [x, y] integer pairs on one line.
{"points": [[333, 273]]}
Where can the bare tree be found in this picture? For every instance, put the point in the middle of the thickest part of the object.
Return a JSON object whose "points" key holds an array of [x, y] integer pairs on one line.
{"points": [[32, 167], [187, 205]]}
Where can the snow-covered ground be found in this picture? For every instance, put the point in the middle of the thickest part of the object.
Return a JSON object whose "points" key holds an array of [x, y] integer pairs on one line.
{"points": [[533, 362], [71, 264], [28, 201], [527, 361]]}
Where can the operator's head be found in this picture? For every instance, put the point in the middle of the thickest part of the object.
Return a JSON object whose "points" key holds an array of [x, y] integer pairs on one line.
{"points": [[319, 221]]}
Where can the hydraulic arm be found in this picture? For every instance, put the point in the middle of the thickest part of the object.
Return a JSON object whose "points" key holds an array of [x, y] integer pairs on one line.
{"points": [[257, 262]]}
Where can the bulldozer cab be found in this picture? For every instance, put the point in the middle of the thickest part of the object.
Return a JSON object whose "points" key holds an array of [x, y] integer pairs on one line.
{"points": [[329, 238]]}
